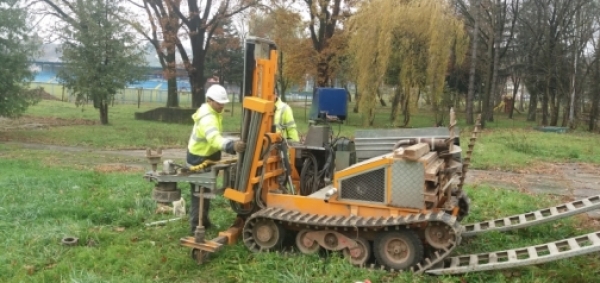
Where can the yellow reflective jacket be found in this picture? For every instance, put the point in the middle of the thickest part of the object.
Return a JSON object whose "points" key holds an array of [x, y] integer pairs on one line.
{"points": [[206, 138], [284, 121]]}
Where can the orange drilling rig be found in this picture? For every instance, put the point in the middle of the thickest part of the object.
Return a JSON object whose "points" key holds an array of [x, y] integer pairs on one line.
{"points": [[400, 210]]}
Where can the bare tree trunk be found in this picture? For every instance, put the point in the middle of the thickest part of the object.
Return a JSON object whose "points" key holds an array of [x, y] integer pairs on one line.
{"points": [[596, 93], [381, 100], [347, 92], [522, 101], [575, 55], [565, 119], [497, 39], [555, 113], [356, 100], [396, 105], [371, 117], [516, 83], [103, 109], [172, 99], [489, 87], [545, 102], [171, 75], [407, 106], [323, 73], [471, 90], [533, 101]]}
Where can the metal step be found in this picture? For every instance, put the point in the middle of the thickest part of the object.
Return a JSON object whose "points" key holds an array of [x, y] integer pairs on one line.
{"points": [[548, 252], [532, 218]]}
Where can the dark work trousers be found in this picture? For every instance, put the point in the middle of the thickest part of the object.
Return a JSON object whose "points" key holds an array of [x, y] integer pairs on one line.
{"points": [[193, 160]]}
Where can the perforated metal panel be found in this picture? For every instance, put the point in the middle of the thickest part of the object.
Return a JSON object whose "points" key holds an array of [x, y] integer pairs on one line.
{"points": [[368, 186], [408, 183]]}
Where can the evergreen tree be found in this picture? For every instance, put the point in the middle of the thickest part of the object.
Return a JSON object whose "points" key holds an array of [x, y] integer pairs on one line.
{"points": [[16, 50], [100, 55]]}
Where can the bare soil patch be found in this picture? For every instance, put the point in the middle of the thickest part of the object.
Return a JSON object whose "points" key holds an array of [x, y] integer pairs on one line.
{"points": [[32, 122], [558, 168]]}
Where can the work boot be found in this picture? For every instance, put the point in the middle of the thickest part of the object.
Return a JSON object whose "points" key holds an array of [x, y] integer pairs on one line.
{"points": [[205, 220]]}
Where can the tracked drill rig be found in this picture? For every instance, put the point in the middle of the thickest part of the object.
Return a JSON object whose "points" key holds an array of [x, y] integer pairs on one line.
{"points": [[398, 211]]}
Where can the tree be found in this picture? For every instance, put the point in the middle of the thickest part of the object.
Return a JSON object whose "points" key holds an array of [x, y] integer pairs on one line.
{"points": [[284, 27], [495, 20], [325, 18], [163, 35], [225, 58], [200, 21], [547, 30], [100, 55], [474, 40], [408, 47], [16, 50]]}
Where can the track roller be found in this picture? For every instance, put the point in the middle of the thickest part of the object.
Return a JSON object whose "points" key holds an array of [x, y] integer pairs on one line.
{"points": [[306, 244], [439, 236], [360, 254], [398, 250], [262, 235]]}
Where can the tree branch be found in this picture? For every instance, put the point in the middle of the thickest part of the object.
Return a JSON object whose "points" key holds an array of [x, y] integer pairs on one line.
{"points": [[61, 14], [178, 12]]}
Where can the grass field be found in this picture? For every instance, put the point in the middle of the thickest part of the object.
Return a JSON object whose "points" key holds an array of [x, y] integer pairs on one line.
{"points": [[505, 144], [48, 195]]}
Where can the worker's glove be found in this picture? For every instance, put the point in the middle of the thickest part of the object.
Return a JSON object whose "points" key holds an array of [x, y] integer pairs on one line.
{"points": [[239, 146]]}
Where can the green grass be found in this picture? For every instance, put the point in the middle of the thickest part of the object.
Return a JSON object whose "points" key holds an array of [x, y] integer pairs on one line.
{"points": [[505, 144], [48, 195], [511, 149]]}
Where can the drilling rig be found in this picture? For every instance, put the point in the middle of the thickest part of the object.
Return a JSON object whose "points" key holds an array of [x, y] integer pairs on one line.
{"points": [[400, 210]]}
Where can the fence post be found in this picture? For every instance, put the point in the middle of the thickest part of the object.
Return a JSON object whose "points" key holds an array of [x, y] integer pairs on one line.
{"points": [[139, 91]]}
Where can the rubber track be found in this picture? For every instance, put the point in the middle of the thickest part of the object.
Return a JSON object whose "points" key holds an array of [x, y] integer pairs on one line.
{"points": [[319, 222], [533, 218], [512, 258]]}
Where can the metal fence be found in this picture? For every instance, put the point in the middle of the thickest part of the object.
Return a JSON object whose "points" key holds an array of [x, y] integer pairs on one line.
{"points": [[144, 95], [123, 96]]}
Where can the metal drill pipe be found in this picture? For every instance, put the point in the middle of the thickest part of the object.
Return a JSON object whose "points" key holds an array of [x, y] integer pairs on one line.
{"points": [[241, 175], [244, 138], [253, 143]]}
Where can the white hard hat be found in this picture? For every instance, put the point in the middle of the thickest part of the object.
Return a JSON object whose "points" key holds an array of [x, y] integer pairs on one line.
{"points": [[218, 94]]}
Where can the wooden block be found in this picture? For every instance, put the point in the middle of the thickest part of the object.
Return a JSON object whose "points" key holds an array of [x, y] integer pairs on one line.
{"points": [[431, 198], [432, 170], [414, 152], [428, 158]]}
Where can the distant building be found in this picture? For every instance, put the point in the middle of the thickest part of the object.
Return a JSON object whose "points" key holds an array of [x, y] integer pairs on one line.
{"points": [[49, 62]]}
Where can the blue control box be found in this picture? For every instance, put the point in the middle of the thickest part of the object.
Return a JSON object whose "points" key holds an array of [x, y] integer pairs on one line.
{"points": [[330, 102]]}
